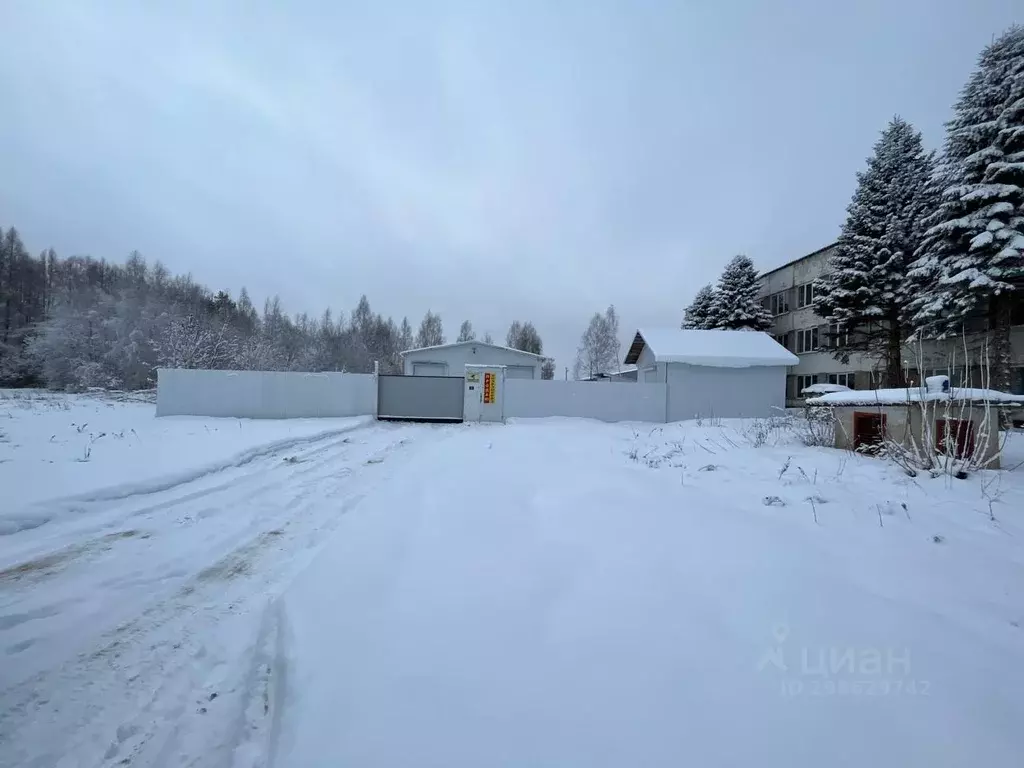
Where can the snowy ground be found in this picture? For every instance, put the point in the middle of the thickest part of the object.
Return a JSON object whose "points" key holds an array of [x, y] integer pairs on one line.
{"points": [[70, 445], [545, 593]]}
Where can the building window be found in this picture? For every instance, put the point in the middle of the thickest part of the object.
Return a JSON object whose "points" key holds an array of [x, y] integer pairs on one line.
{"points": [[778, 303], [838, 336], [803, 381], [804, 295], [783, 339], [846, 379], [806, 340]]}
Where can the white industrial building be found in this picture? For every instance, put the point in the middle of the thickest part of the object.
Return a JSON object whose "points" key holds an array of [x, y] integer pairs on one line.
{"points": [[713, 373], [452, 359]]}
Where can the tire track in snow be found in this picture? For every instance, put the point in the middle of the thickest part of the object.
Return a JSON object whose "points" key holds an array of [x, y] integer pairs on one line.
{"points": [[92, 513], [136, 692]]}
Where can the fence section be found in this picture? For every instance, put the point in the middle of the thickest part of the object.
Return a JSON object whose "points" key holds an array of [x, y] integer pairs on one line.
{"points": [[264, 394], [527, 398]]}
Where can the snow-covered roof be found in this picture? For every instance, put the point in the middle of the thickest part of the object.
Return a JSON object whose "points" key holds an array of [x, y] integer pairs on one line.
{"points": [[719, 349], [475, 344], [797, 260], [915, 395], [824, 389]]}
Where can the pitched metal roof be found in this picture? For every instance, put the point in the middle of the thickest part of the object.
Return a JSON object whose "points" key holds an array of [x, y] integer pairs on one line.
{"points": [[476, 344]]}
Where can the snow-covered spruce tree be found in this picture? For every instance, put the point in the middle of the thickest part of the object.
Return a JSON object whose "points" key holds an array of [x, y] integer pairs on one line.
{"points": [[736, 304], [971, 261], [697, 316], [866, 291]]}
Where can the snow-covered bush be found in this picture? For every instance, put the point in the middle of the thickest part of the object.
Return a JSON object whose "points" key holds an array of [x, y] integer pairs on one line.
{"points": [[815, 425], [761, 432]]}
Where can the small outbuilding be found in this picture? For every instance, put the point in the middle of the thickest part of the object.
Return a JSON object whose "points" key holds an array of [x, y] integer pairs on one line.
{"points": [[452, 359], [934, 419], [713, 373]]}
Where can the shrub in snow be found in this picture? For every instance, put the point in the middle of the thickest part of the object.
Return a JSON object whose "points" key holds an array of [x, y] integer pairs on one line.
{"points": [[762, 431], [815, 425]]}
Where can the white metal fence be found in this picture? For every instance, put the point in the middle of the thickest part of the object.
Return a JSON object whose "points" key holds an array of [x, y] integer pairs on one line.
{"points": [[526, 398], [282, 395], [264, 394]]}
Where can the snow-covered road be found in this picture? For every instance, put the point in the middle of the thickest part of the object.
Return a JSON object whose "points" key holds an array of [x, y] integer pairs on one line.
{"points": [[127, 625], [565, 593], [545, 593]]}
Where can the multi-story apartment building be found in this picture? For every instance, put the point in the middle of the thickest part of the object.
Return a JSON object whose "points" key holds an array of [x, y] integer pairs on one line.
{"points": [[788, 293]]}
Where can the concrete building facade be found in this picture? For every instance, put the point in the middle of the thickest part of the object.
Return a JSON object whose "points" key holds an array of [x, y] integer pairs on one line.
{"points": [[788, 293]]}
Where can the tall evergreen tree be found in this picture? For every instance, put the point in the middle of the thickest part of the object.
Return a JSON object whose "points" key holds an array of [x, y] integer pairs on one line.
{"points": [[698, 315], [866, 292], [547, 369], [466, 332], [972, 259], [736, 304]]}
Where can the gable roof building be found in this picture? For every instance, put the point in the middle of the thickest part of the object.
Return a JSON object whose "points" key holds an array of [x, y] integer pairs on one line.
{"points": [[452, 359], [713, 373], [717, 349]]}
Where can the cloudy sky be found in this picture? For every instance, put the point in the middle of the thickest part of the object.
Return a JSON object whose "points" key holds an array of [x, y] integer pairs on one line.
{"points": [[530, 159]]}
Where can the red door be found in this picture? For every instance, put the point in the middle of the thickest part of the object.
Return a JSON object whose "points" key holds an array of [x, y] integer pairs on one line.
{"points": [[954, 436]]}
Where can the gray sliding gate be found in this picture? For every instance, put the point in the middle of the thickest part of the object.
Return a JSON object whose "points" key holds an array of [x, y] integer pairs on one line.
{"points": [[420, 398]]}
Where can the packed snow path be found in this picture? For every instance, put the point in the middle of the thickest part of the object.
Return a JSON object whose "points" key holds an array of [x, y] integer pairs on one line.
{"points": [[129, 622]]}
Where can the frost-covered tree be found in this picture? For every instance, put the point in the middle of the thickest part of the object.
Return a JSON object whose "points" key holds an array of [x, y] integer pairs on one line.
{"points": [[971, 262], [525, 337], [466, 332], [547, 369], [488, 339], [698, 315], [866, 291], [81, 322], [188, 342], [599, 347], [405, 338], [736, 304], [430, 334]]}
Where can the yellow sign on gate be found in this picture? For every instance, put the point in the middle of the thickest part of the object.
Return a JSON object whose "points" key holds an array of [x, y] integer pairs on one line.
{"points": [[488, 388]]}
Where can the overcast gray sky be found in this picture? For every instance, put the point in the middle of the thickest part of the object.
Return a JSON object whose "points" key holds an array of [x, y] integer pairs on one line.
{"points": [[492, 161]]}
